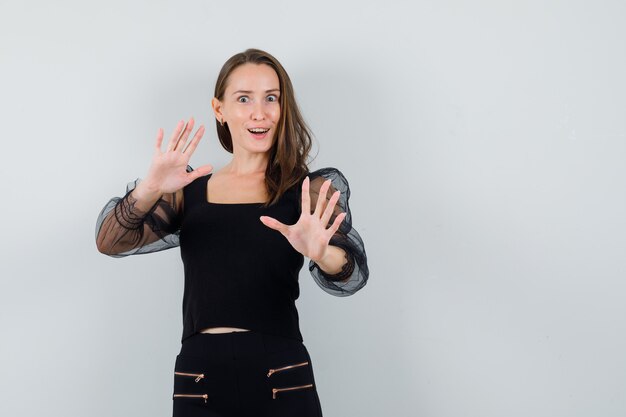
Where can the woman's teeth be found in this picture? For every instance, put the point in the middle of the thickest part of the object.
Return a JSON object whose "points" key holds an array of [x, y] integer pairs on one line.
{"points": [[258, 133]]}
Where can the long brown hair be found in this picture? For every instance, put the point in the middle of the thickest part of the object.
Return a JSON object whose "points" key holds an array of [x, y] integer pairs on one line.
{"points": [[287, 165]]}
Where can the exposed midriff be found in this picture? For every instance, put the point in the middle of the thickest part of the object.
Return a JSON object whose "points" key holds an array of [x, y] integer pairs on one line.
{"points": [[218, 330]]}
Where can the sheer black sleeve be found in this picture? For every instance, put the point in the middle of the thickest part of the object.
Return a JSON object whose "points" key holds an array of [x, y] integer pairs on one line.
{"points": [[354, 273], [122, 229]]}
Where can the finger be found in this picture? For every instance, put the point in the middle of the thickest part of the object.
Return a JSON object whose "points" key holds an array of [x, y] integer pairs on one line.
{"points": [[306, 198], [159, 140], [272, 223], [172, 142], [201, 171], [175, 135], [180, 137], [335, 226], [183, 137], [321, 198], [330, 208], [189, 150]]}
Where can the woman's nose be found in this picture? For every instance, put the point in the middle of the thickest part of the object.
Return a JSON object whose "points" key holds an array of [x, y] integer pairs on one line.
{"points": [[258, 112]]}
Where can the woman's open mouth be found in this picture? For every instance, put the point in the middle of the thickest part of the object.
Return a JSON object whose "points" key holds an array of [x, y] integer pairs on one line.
{"points": [[258, 133]]}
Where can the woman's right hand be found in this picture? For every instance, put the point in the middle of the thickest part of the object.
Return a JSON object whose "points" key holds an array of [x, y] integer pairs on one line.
{"points": [[168, 172]]}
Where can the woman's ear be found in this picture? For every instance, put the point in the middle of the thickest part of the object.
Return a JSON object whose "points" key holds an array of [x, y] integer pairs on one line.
{"points": [[217, 109]]}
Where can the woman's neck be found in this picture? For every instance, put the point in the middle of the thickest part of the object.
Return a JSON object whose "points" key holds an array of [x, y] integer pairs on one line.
{"points": [[252, 164]]}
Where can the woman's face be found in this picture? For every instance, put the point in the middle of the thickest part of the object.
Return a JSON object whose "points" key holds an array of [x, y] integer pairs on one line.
{"points": [[250, 101]]}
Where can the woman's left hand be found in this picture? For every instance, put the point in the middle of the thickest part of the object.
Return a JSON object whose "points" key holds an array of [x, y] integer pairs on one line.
{"points": [[309, 235]]}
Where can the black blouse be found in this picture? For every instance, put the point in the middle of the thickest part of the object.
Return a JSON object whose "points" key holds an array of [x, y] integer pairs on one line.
{"points": [[238, 272]]}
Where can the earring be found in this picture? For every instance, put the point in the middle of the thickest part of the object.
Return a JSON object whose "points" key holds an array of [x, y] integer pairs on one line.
{"points": [[222, 122]]}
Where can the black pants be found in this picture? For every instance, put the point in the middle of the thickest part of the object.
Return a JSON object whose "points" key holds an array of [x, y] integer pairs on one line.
{"points": [[244, 374]]}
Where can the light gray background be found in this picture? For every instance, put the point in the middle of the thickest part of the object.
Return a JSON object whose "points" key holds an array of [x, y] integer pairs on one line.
{"points": [[484, 143]]}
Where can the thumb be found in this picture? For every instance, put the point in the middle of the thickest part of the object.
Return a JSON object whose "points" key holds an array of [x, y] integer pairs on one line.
{"points": [[272, 223], [201, 171]]}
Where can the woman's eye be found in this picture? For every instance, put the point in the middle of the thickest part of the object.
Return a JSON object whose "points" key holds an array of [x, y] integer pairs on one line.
{"points": [[274, 96]]}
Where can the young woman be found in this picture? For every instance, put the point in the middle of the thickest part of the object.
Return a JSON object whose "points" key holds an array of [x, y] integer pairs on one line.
{"points": [[243, 233]]}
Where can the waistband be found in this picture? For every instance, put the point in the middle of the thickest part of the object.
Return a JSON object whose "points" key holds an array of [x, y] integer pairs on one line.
{"points": [[235, 345]]}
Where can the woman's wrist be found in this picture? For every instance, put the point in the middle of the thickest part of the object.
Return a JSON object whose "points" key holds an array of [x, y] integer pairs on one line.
{"points": [[146, 195], [333, 260]]}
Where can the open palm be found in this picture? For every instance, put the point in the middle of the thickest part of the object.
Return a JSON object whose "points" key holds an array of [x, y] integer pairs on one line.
{"points": [[309, 235], [168, 170]]}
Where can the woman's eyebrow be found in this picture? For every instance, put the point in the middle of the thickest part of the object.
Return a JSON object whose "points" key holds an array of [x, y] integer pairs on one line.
{"points": [[248, 91]]}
